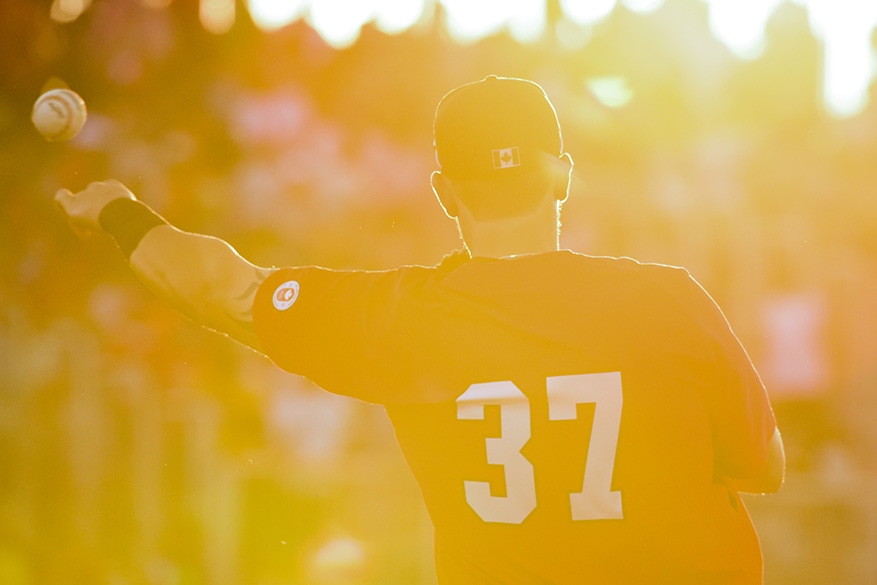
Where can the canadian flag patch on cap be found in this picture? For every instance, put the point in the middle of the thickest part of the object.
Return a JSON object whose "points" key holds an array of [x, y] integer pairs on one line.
{"points": [[504, 158]]}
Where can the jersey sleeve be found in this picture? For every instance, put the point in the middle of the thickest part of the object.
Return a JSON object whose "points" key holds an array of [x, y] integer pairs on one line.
{"points": [[740, 412], [336, 328]]}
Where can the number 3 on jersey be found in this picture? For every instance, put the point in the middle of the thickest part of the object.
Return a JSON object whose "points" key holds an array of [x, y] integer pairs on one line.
{"points": [[596, 500]]}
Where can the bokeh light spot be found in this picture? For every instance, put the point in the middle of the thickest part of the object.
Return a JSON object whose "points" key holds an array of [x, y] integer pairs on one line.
{"points": [[587, 12], [396, 16], [275, 14], [339, 21], [612, 92], [217, 16], [740, 24], [643, 6], [68, 10]]}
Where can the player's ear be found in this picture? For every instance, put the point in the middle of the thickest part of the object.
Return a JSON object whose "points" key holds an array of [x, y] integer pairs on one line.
{"points": [[444, 193], [562, 171]]}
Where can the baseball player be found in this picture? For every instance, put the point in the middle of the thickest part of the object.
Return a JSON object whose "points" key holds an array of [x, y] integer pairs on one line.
{"points": [[570, 419]]}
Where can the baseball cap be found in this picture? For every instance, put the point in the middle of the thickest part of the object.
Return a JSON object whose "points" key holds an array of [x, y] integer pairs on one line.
{"points": [[495, 127]]}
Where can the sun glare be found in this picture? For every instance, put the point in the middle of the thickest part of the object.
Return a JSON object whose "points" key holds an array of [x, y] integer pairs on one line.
{"points": [[844, 27]]}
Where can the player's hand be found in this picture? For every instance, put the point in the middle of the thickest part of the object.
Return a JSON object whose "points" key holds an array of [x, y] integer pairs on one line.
{"points": [[83, 209]]}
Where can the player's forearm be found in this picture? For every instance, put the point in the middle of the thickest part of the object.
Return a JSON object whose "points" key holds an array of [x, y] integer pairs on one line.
{"points": [[201, 276]]}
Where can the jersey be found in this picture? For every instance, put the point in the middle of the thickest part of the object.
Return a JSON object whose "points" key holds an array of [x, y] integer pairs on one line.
{"points": [[568, 418]]}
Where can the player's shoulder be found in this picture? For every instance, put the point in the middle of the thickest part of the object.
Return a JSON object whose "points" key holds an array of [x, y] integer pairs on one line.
{"points": [[634, 277], [621, 265]]}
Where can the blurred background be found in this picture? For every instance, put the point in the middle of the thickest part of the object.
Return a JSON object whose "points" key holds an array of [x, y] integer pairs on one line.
{"points": [[738, 139]]}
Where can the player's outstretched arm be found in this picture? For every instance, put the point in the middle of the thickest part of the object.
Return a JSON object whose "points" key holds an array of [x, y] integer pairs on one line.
{"points": [[202, 276]]}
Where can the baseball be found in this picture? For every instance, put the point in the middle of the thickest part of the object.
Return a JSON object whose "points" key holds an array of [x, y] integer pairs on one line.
{"points": [[59, 114]]}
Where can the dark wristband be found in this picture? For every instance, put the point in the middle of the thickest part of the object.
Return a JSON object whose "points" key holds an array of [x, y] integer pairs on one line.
{"points": [[128, 221]]}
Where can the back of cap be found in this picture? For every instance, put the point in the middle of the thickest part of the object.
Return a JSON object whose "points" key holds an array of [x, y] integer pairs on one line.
{"points": [[494, 127]]}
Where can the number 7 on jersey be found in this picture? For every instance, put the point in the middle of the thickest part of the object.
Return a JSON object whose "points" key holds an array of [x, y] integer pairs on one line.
{"points": [[596, 500]]}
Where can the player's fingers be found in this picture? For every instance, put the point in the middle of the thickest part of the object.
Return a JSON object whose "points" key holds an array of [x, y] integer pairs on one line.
{"points": [[117, 188], [65, 202], [63, 193], [63, 198]]}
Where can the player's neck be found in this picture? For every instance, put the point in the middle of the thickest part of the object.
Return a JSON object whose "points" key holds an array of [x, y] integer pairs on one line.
{"points": [[531, 234]]}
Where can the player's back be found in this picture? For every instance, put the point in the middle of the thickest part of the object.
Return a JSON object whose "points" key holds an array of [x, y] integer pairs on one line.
{"points": [[583, 411]]}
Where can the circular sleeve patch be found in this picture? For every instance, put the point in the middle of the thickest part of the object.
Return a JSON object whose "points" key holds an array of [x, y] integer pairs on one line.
{"points": [[285, 295]]}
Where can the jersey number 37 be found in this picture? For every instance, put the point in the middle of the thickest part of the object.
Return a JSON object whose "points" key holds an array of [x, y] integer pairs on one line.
{"points": [[596, 500]]}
